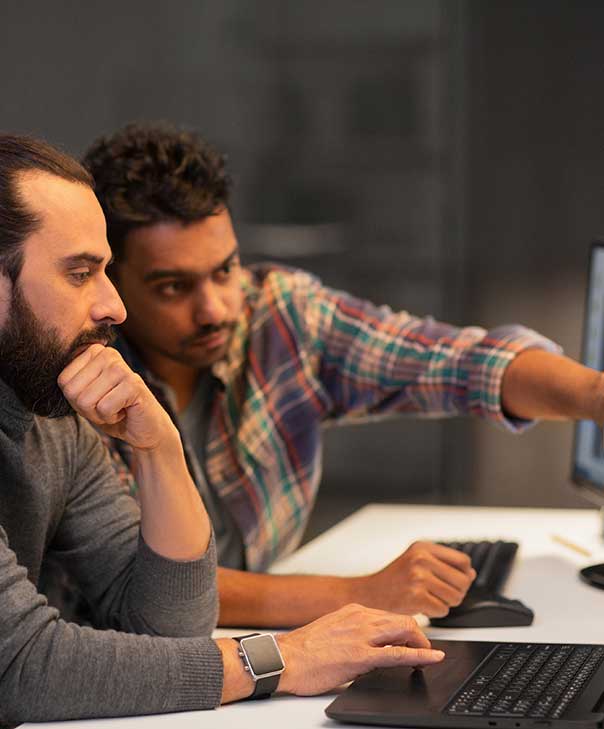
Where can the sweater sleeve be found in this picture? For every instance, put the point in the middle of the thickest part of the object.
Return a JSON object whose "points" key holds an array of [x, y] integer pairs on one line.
{"points": [[54, 670], [129, 586], [372, 361]]}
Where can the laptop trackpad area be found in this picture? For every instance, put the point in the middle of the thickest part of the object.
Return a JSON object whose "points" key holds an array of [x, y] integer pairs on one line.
{"points": [[411, 692]]}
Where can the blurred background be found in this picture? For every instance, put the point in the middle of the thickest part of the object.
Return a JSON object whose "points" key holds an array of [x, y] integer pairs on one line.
{"points": [[441, 156]]}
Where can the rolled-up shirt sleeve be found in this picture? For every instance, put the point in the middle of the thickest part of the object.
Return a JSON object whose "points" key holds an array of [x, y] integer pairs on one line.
{"points": [[374, 362]]}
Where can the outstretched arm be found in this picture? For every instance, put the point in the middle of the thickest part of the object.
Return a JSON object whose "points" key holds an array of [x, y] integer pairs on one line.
{"points": [[372, 361], [539, 384]]}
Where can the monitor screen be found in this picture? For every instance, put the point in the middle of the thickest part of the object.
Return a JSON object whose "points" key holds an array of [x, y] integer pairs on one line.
{"points": [[588, 451]]}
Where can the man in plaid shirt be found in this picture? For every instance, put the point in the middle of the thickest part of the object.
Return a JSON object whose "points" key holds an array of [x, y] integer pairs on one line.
{"points": [[252, 362]]}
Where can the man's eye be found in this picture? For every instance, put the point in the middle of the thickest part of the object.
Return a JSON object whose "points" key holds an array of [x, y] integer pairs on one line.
{"points": [[79, 277], [226, 270], [173, 288]]}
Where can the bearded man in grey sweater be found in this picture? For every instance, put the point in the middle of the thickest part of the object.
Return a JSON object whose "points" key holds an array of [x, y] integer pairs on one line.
{"points": [[148, 574]]}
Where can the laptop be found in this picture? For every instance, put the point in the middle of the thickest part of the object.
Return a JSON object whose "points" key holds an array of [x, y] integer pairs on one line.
{"points": [[484, 685], [502, 685]]}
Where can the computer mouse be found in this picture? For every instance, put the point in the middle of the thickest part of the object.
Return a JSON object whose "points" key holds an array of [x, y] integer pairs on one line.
{"points": [[482, 611]]}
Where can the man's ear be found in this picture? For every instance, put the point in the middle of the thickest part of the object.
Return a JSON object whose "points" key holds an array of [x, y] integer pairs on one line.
{"points": [[6, 294]]}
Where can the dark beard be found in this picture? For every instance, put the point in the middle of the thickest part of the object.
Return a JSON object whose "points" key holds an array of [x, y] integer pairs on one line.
{"points": [[32, 357]]}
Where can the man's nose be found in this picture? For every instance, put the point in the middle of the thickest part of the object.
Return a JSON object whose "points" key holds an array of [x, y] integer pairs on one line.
{"points": [[109, 308], [209, 306]]}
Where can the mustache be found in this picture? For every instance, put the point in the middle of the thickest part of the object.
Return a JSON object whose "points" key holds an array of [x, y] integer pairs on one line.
{"points": [[102, 333], [206, 330]]}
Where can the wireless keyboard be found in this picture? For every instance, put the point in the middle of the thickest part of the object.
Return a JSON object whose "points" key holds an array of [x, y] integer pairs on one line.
{"points": [[484, 606]]}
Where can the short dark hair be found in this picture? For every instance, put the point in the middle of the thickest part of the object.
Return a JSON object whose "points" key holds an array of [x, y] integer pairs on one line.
{"points": [[154, 172], [20, 153]]}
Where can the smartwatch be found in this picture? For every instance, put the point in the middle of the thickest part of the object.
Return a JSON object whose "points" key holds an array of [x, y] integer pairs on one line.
{"points": [[263, 660]]}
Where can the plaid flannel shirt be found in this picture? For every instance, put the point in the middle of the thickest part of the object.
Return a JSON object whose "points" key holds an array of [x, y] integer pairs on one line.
{"points": [[304, 355]]}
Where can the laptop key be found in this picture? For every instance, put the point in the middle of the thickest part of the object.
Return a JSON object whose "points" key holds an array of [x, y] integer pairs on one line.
{"points": [[490, 669]]}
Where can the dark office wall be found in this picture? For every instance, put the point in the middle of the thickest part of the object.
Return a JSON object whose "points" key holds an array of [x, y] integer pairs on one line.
{"points": [[441, 155], [70, 71], [535, 198], [335, 119]]}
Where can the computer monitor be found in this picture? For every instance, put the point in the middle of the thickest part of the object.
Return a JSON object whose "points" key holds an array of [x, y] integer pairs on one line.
{"points": [[588, 449]]}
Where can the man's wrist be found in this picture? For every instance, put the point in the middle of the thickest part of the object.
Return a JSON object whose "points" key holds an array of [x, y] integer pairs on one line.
{"points": [[358, 590], [166, 443], [286, 684], [237, 684]]}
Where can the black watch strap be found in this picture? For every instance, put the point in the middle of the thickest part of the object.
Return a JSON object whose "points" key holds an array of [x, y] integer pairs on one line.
{"points": [[264, 685]]}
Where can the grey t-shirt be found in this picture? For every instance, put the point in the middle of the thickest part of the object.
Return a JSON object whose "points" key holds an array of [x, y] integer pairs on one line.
{"points": [[193, 424]]}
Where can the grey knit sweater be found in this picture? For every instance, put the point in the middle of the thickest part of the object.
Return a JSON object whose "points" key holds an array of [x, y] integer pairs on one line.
{"points": [[59, 495]]}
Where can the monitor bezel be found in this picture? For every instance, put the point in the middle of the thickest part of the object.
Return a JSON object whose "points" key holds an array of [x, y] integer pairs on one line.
{"points": [[589, 489]]}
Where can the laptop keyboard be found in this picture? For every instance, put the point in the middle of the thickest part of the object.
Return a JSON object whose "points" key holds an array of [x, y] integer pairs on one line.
{"points": [[535, 681]]}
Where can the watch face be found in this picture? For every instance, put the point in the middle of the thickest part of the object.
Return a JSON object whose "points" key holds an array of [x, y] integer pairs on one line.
{"points": [[263, 654]]}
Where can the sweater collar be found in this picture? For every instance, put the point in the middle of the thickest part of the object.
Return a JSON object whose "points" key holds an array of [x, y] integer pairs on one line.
{"points": [[15, 419]]}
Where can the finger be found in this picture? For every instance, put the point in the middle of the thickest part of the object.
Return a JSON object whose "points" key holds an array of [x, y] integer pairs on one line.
{"points": [[454, 577], [111, 408], [399, 630], [394, 655], [433, 606], [453, 557], [445, 592], [81, 361], [86, 395]]}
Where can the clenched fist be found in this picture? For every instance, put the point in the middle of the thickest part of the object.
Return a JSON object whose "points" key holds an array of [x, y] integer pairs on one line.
{"points": [[102, 388], [427, 578]]}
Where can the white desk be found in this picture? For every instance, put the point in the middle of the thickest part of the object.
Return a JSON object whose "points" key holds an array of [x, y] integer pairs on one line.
{"points": [[544, 577]]}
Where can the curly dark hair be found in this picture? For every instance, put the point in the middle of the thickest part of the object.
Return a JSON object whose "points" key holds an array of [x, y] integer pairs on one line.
{"points": [[154, 172]]}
